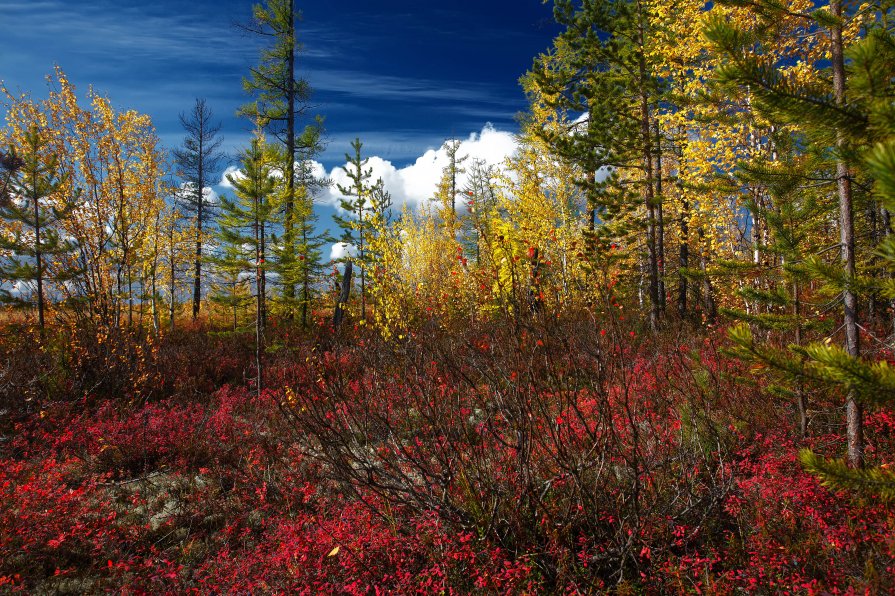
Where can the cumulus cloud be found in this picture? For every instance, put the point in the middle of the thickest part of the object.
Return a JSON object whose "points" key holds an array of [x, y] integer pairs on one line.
{"points": [[412, 184], [416, 183], [340, 250]]}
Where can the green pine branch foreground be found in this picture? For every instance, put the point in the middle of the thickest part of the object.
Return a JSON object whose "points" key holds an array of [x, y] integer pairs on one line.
{"points": [[837, 475], [846, 128]]}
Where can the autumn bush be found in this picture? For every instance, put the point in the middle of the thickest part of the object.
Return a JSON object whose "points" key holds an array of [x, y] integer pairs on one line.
{"points": [[563, 455]]}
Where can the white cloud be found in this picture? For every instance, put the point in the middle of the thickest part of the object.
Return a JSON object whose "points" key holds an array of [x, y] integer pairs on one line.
{"points": [[230, 171], [209, 196], [416, 183], [341, 249]]}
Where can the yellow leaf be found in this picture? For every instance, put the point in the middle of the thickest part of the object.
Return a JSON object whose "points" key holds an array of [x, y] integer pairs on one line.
{"points": [[333, 552]]}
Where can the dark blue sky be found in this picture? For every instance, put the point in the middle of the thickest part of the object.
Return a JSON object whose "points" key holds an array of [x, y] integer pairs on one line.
{"points": [[401, 75]]}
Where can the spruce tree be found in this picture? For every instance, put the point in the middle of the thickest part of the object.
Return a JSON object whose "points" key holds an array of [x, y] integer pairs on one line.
{"points": [[599, 67], [481, 202], [447, 186], [232, 287]]}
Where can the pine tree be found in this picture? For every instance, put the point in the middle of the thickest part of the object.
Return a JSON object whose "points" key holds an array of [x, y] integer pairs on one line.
{"points": [[600, 66], [794, 222], [845, 114], [870, 84], [39, 201]]}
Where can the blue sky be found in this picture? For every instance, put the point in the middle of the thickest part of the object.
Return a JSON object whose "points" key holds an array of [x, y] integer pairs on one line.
{"points": [[401, 75]]}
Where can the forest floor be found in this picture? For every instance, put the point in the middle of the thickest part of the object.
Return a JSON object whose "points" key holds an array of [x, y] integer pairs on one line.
{"points": [[526, 460]]}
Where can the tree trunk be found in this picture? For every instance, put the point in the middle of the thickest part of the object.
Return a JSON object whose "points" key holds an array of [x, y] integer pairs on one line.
{"points": [[200, 205], [259, 295], [648, 194], [38, 257], [344, 293], [854, 410], [683, 259], [288, 229], [306, 279], [363, 280], [171, 281], [660, 218]]}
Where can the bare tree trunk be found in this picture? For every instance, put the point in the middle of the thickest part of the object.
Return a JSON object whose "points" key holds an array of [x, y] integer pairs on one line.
{"points": [[306, 281], [661, 218], [197, 280], [172, 288], [288, 229], [344, 293]]}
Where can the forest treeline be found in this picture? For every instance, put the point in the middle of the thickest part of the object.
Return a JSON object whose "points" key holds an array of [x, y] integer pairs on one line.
{"points": [[687, 175]]}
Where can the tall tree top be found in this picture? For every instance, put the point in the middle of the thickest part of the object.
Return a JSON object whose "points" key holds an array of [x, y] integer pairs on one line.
{"points": [[279, 94]]}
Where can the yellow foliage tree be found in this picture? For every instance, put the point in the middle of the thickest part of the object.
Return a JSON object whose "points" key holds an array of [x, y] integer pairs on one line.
{"points": [[114, 160]]}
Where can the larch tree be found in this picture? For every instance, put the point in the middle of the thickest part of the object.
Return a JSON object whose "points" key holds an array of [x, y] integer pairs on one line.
{"points": [[38, 201], [197, 161], [356, 202], [281, 100], [245, 228]]}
